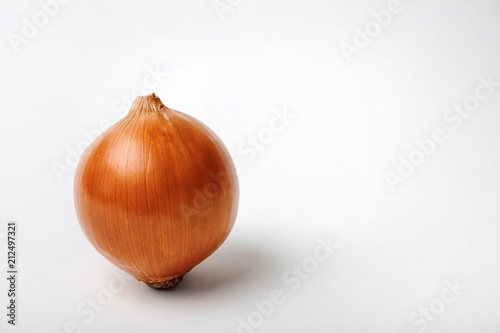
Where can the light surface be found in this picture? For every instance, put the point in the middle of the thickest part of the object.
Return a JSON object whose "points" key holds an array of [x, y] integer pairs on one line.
{"points": [[329, 129]]}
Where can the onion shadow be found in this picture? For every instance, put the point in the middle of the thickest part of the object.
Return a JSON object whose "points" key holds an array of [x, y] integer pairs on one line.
{"points": [[234, 264]]}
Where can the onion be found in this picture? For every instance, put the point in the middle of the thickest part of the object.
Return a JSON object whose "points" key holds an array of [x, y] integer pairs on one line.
{"points": [[157, 193]]}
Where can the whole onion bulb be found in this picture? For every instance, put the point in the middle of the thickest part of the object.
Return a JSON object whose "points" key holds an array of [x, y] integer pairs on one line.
{"points": [[156, 193]]}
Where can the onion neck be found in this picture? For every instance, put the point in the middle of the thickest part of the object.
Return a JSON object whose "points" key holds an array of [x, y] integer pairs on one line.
{"points": [[148, 103]]}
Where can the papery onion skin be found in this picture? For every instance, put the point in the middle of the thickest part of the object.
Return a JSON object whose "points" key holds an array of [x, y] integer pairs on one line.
{"points": [[156, 193]]}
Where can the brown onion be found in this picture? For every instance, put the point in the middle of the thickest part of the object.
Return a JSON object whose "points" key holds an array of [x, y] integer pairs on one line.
{"points": [[156, 193]]}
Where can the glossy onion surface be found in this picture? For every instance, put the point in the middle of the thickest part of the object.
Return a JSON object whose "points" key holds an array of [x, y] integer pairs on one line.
{"points": [[156, 193]]}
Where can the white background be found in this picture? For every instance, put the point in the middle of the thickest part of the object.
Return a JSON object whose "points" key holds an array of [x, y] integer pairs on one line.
{"points": [[323, 175]]}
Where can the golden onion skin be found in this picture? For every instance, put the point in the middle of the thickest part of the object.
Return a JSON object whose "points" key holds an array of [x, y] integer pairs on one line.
{"points": [[157, 193]]}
